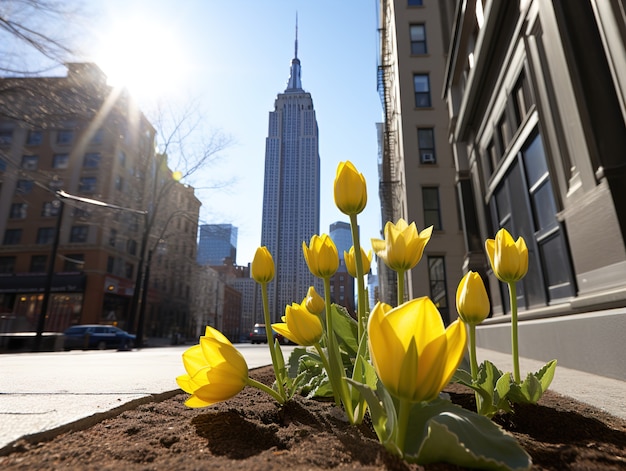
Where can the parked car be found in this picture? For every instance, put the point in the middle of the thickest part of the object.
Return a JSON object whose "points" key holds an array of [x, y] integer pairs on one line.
{"points": [[97, 336], [259, 335]]}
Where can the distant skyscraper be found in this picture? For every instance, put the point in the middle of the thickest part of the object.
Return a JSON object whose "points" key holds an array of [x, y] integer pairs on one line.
{"points": [[291, 194], [217, 242], [342, 284]]}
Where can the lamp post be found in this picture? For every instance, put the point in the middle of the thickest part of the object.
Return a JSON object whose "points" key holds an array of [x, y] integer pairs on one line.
{"points": [[41, 321]]}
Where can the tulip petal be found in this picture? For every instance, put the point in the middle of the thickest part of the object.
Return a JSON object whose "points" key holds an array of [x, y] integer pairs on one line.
{"points": [[456, 335]]}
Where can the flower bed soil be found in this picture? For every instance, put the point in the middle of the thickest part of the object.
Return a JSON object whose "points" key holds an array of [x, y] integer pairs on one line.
{"points": [[251, 432]]}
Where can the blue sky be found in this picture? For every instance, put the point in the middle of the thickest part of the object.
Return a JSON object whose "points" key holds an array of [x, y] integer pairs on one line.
{"points": [[232, 58]]}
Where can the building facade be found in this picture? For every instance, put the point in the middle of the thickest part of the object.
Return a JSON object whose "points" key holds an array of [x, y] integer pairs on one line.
{"points": [[536, 94], [216, 243], [416, 165], [83, 253], [291, 192]]}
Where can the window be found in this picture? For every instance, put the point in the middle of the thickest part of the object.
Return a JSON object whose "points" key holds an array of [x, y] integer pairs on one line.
{"points": [[7, 264], [438, 291], [426, 145], [65, 136], [18, 211], [24, 187], [92, 160], [421, 84], [112, 237], [79, 234], [418, 39], [87, 185], [128, 270], [50, 209], [29, 162], [432, 214], [45, 235], [60, 161], [110, 264], [35, 138], [415, 3], [38, 263], [119, 183], [122, 158], [80, 213], [73, 262], [6, 137], [131, 246], [55, 184], [12, 236]]}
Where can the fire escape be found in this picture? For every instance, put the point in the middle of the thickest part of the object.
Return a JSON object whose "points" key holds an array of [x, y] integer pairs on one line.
{"points": [[390, 184]]}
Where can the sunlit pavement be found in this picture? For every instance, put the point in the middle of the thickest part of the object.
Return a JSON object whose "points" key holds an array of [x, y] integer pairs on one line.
{"points": [[40, 392], [45, 393]]}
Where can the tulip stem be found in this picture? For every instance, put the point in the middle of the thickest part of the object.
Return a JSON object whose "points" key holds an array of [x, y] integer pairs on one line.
{"points": [[270, 342], [335, 370], [267, 389], [361, 310], [404, 411], [514, 343], [400, 286], [474, 362]]}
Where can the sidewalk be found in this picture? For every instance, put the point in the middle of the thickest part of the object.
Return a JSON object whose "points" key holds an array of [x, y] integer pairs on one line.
{"points": [[44, 394]]}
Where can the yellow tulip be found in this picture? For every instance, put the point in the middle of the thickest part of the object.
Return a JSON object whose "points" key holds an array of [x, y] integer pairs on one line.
{"points": [[403, 246], [350, 189], [314, 302], [262, 268], [216, 371], [508, 258], [472, 302], [321, 256], [300, 326], [412, 353], [350, 259]]}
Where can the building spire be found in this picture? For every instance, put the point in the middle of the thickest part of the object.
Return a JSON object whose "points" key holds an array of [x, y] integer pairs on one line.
{"points": [[294, 83]]}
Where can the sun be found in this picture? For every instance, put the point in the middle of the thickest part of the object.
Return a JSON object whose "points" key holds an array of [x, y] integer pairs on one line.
{"points": [[143, 56]]}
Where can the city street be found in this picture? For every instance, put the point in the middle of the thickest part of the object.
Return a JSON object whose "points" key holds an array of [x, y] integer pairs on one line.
{"points": [[40, 392]]}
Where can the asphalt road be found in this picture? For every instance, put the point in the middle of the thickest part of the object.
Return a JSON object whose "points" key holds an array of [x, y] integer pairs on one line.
{"points": [[40, 392]]}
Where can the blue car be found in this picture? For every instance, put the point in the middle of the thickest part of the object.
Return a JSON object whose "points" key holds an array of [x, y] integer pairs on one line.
{"points": [[97, 336]]}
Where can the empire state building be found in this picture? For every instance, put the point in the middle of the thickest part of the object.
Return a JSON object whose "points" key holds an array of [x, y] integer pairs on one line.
{"points": [[291, 193]]}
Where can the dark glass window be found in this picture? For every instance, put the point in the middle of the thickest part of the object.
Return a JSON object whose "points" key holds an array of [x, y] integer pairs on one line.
{"points": [[110, 264], [421, 84], [24, 186], [7, 264], [35, 138], [18, 211], [437, 278], [432, 213], [418, 39], [87, 185], [65, 136], [12, 236], [60, 161], [30, 162], [45, 235], [92, 160], [426, 145], [6, 137], [79, 234], [112, 237], [415, 3], [74, 262]]}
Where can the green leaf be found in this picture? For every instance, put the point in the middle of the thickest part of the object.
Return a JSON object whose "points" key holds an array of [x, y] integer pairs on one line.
{"points": [[346, 329], [535, 384], [444, 432], [546, 374]]}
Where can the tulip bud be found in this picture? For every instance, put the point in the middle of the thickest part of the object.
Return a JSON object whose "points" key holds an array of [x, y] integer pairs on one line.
{"points": [[508, 258], [350, 259], [403, 245], [321, 256], [314, 302], [262, 268], [350, 189], [472, 302]]}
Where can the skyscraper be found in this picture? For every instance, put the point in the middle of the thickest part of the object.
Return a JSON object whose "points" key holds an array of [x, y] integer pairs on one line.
{"points": [[217, 242], [291, 193]]}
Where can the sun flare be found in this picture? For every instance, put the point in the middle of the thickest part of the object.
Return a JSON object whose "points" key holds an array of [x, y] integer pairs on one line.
{"points": [[143, 56]]}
